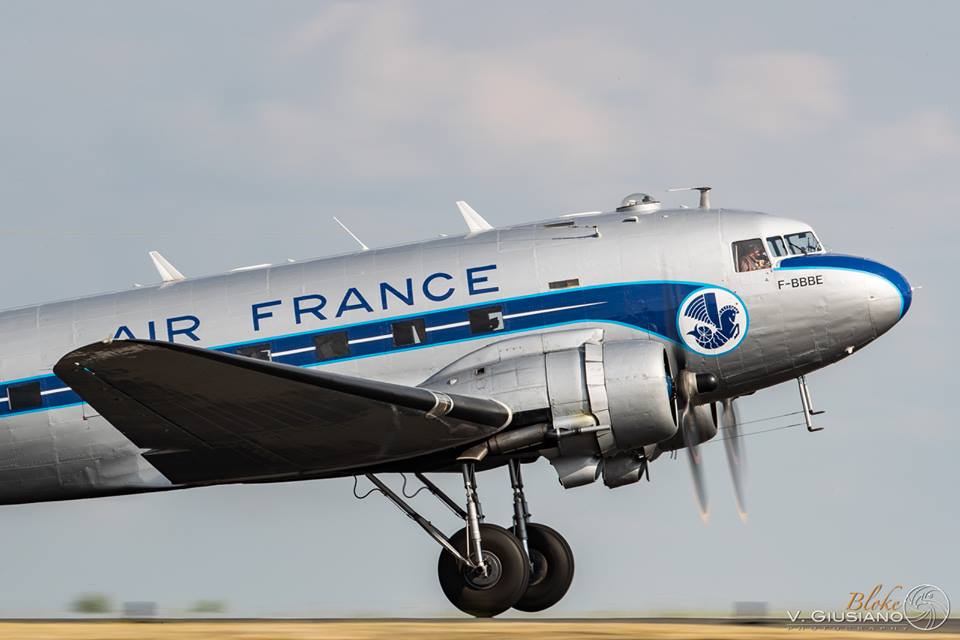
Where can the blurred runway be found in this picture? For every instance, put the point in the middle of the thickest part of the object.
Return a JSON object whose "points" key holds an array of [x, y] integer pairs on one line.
{"points": [[421, 629]]}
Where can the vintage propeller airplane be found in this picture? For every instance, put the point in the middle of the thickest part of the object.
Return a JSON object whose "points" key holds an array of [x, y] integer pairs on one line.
{"points": [[599, 341]]}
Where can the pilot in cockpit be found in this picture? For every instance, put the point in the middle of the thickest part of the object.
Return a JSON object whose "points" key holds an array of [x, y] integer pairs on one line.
{"points": [[752, 256]]}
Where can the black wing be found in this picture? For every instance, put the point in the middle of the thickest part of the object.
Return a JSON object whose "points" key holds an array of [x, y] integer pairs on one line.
{"points": [[203, 416]]}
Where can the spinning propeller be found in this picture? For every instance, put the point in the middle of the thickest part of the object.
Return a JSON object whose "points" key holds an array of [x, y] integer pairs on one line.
{"points": [[688, 388], [690, 385], [732, 443]]}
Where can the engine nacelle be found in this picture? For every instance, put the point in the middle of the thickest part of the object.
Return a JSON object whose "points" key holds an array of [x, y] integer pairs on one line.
{"points": [[639, 388], [620, 392], [623, 469], [576, 471]]}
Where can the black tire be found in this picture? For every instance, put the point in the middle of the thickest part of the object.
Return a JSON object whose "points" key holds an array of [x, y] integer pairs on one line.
{"points": [[552, 561], [485, 597]]}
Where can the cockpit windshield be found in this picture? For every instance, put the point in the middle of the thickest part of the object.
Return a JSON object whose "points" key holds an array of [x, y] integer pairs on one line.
{"points": [[803, 243], [777, 248], [754, 254]]}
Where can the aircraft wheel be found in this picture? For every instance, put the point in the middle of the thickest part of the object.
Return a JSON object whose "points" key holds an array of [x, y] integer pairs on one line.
{"points": [[552, 571], [506, 580]]}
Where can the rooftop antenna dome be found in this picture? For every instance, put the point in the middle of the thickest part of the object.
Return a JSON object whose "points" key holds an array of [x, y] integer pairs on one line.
{"points": [[639, 203]]}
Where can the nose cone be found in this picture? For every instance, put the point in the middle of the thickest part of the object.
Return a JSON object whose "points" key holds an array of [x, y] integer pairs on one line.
{"points": [[888, 293], [889, 297]]}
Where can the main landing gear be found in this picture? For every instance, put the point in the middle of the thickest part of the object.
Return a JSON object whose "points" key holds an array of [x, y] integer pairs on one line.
{"points": [[485, 569]]}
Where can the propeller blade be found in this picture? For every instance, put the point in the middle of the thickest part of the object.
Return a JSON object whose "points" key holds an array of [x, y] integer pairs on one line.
{"points": [[733, 443], [692, 441]]}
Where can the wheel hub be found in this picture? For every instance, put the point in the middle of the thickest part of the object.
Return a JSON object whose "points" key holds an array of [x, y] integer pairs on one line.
{"points": [[538, 567], [476, 578]]}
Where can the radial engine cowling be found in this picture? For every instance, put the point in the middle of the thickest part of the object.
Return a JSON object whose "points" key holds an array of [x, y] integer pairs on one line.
{"points": [[639, 391], [616, 396]]}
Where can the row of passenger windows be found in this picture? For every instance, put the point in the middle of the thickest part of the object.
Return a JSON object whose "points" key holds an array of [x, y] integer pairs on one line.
{"points": [[750, 255], [405, 333], [328, 346]]}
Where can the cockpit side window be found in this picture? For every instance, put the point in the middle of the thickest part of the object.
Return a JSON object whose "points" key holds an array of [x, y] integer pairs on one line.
{"points": [[749, 255], [777, 247], [803, 243]]}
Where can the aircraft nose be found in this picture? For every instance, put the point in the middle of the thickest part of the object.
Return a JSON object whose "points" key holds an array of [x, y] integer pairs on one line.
{"points": [[889, 296], [878, 296]]}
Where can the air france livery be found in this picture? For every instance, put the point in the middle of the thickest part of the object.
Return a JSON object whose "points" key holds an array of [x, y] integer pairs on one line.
{"points": [[597, 342]]}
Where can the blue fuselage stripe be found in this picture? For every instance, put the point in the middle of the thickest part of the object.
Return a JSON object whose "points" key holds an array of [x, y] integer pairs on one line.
{"points": [[650, 307]]}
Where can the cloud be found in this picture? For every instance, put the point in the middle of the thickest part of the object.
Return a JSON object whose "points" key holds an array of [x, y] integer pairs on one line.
{"points": [[374, 97], [778, 94], [362, 92], [328, 24], [923, 135]]}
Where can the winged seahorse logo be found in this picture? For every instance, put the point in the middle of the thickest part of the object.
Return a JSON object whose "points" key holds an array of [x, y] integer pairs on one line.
{"points": [[715, 327]]}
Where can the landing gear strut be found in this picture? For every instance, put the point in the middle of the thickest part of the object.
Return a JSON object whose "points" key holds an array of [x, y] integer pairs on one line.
{"points": [[485, 569], [498, 572], [551, 559]]}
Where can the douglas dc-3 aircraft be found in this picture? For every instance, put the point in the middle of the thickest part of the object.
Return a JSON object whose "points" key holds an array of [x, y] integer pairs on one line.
{"points": [[599, 341]]}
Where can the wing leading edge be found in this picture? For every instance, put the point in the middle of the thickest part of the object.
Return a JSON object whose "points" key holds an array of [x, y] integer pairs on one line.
{"points": [[203, 416]]}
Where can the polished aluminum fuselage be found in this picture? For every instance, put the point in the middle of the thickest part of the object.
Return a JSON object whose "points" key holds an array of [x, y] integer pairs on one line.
{"points": [[65, 450]]}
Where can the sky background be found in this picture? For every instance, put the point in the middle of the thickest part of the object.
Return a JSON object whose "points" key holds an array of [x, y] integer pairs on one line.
{"points": [[228, 133]]}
